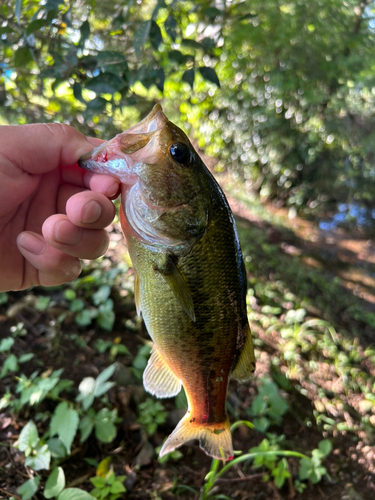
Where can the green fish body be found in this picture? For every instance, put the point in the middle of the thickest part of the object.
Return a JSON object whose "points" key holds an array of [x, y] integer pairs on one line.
{"points": [[190, 278]]}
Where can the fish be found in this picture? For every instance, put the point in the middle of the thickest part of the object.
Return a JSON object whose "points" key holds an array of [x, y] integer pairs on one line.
{"points": [[190, 280]]}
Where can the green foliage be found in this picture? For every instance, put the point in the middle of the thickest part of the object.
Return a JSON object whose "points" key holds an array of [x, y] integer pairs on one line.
{"points": [[311, 468], [140, 361], [268, 407], [151, 415], [55, 483], [266, 456], [108, 487], [28, 488], [66, 419]]}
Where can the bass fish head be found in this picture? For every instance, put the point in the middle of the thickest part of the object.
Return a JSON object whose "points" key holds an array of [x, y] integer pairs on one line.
{"points": [[163, 178]]}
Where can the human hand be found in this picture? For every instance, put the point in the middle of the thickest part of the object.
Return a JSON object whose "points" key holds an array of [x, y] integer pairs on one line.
{"points": [[52, 213]]}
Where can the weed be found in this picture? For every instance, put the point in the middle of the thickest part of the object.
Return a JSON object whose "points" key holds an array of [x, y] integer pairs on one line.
{"points": [[151, 415]]}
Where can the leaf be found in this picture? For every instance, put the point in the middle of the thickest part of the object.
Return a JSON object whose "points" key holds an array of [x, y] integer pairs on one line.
{"points": [[26, 357], [160, 79], [77, 92], [325, 446], [105, 431], [85, 317], [76, 305], [64, 423], [212, 12], [106, 318], [56, 447], [155, 35], [28, 438], [209, 74], [101, 295], [85, 32], [141, 37], [98, 482], [176, 55], [40, 460], [6, 344], [117, 487], [208, 43], [112, 61], [187, 42], [22, 57], [189, 76], [86, 426], [170, 26], [106, 374], [105, 83], [55, 483], [74, 494], [29, 488], [35, 26], [103, 468]]}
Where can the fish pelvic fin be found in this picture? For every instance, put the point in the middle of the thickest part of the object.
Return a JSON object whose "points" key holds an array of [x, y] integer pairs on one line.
{"points": [[245, 365], [158, 378], [214, 439]]}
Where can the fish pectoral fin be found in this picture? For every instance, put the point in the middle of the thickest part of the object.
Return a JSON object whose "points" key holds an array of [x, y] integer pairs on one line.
{"points": [[245, 365], [128, 259], [137, 296], [158, 378], [177, 282], [215, 439]]}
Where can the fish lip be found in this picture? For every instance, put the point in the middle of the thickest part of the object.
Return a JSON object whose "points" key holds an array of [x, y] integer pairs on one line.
{"points": [[90, 155]]}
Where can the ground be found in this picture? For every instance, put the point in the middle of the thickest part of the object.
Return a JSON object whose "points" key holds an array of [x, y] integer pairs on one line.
{"points": [[311, 306]]}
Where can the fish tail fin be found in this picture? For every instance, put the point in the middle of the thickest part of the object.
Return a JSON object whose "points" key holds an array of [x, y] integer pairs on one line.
{"points": [[214, 439]]}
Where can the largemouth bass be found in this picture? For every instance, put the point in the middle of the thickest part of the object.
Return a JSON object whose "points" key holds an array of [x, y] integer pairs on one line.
{"points": [[190, 282]]}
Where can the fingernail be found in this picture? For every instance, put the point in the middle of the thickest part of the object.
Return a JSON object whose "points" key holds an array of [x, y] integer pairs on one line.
{"points": [[112, 190], [67, 233], [31, 243], [91, 212]]}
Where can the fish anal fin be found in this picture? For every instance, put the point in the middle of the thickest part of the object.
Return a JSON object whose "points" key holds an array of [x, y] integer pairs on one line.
{"points": [[177, 282], [245, 365], [214, 439], [158, 379], [137, 296]]}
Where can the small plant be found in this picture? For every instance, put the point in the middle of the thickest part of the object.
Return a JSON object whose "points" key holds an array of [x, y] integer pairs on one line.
{"points": [[108, 486], [265, 455], [140, 361], [115, 347], [12, 362], [152, 414], [268, 407], [67, 419]]}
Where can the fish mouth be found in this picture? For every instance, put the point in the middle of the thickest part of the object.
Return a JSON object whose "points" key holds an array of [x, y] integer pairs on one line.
{"points": [[121, 155]]}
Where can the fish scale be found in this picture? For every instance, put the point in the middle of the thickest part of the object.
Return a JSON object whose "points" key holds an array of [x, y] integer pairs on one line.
{"points": [[191, 282]]}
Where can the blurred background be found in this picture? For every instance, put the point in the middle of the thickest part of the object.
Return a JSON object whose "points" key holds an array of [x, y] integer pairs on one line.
{"points": [[278, 97]]}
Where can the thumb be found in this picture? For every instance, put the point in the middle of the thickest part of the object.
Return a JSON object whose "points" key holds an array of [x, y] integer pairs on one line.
{"points": [[42, 147]]}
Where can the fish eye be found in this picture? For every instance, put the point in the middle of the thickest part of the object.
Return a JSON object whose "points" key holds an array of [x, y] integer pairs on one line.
{"points": [[180, 152]]}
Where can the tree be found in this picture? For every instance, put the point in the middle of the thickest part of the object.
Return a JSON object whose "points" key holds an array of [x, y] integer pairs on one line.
{"points": [[279, 91]]}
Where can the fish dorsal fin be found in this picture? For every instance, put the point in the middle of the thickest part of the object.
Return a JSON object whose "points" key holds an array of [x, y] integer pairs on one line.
{"points": [[245, 365], [137, 295], [158, 379], [176, 280]]}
